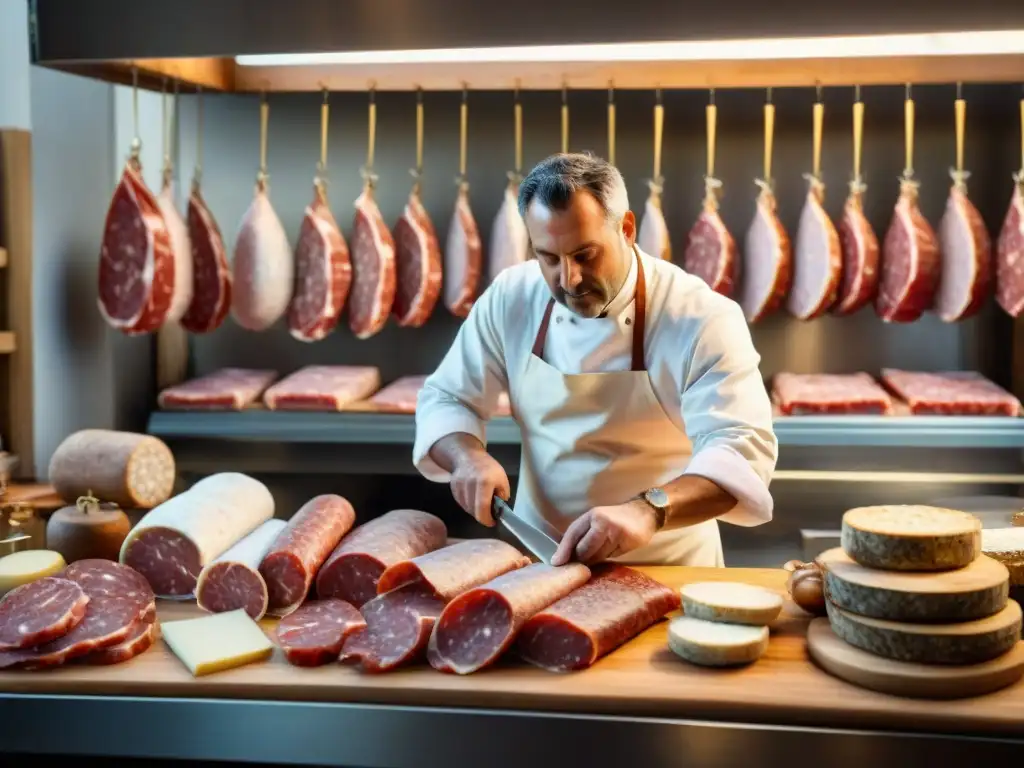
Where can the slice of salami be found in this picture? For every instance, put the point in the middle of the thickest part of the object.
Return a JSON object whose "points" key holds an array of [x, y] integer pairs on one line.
{"points": [[314, 633], [355, 566], [617, 604], [297, 553], [233, 580], [40, 611], [143, 635], [398, 626], [478, 626], [451, 571]]}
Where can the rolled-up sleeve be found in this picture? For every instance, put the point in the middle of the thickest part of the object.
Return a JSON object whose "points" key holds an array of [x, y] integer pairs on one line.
{"points": [[462, 394], [728, 417]]}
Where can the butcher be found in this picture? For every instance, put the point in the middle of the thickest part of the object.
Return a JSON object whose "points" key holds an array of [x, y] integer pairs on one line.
{"points": [[643, 414]]}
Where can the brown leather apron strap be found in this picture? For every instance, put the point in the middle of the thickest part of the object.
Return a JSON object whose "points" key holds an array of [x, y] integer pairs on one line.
{"points": [[542, 332]]}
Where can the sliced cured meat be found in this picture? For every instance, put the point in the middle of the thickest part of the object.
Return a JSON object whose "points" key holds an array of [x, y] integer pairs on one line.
{"points": [[314, 633], [910, 262], [136, 271], [478, 626], [41, 611], [323, 274], [398, 626], [399, 396], [181, 297], [817, 259], [297, 553], [125, 468], [352, 571], [417, 265], [616, 605], [263, 270], [1010, 254], [966, 258], [711, 252], [211, 273], [233, 580], [510, 242], [452, 570], [463, 257], [860, 256], [229, 389], [323, 388], [173, 542], [823, 393], [373, 269], [654, 237], [767, 261], [142, 637], [118, 598], [952, 393]]}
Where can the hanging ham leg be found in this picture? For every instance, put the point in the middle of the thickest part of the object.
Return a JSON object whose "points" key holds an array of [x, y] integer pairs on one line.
{"points": [[263, 268], [182, 295], [710, 248], [1010, 253], [860, 255], [417, 264], [767, 260], [818, 258], [211, 274], [966, 257], [910, 261], [510, 242], [653, 238], [463, 257], [373, 269]]}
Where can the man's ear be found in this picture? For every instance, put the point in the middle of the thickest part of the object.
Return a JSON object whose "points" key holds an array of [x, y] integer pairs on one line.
{"points": [[629, 228]]}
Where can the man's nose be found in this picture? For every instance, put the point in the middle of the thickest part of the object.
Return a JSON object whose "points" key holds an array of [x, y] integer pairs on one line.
{"points": [[571, 276]]}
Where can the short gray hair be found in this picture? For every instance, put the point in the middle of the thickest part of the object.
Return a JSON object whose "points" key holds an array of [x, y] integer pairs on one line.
{"points": [[555, 180]]}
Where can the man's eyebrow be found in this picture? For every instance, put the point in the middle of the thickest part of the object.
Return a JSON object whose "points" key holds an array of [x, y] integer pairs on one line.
{"points": [[579, 248]]}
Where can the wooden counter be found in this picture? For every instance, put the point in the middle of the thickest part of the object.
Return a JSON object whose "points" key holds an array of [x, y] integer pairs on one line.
{"points": [[643, 678]]}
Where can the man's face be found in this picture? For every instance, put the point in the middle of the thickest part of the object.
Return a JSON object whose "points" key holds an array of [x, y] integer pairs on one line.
{"points": [[584, 257]]}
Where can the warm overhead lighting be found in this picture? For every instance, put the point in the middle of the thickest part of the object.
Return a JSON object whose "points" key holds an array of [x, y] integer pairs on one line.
{"points": [[845, 47]]}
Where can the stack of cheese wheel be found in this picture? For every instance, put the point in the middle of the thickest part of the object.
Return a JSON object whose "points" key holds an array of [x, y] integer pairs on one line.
{"points": [[910, 584], [723, 623]]}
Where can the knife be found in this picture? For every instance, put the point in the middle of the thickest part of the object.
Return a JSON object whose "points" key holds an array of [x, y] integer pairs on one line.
{"points": [[538, 541]]}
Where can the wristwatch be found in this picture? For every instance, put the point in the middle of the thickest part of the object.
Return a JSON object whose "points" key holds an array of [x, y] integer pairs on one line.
{"points": [[657, 500]]}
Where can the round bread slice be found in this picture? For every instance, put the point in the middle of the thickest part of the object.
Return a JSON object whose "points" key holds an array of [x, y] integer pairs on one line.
{"points": [[911, 537], [731, 602], [713, 644]]}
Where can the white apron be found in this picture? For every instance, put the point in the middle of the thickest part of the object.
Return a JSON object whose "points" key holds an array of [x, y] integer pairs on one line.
{"points": [[597, 439]]}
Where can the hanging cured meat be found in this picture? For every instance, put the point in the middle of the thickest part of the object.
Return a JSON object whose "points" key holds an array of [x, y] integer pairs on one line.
{"points": [[510, 242], [653, 238], [373, 253], [182, 294], [1010, 250], [323, 272], [463, 255], [710, 248], [856, 236], [964, 244], [767, 257], [910, 252], [818, 257], [263, 268]]}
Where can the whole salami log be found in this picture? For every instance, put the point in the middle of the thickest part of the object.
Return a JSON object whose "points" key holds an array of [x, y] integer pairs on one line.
{"points": [[616, 605], [373, 269], [136, 270], [297, 553], [125, 468], [510, 242], [211, 273], [767, 261], [966, 257], [417, 264], [817, 260], [181, 297], [710, 248], [860, 255], [143, 635], [355, 566], [315, 632], [263, 270], [233, 580], [40, 611], [478, 626], [172, 544], [323, 273], [1010, 251], [229, 389], [323, 388], [910, 262], [463, 257]]}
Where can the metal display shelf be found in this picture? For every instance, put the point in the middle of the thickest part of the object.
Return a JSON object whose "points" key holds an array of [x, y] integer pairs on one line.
{"points": [[396, 429]]}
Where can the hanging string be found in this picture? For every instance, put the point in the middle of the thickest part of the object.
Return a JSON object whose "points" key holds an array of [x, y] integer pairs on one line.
{"points": [[198, 174], [136, 148]]}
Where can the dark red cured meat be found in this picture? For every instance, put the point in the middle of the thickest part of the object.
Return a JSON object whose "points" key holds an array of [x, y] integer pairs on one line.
{"points": [[417, 265], [616, 605], [315, 632], [910, 263], [229, 586], [398, 626], [824, 393], [463, 257], [1010, 254], [211, 273], [118, 598], [144, 633], [323, 388], [951, 393], [352, 571], [711, 252], [39, 612], [450, 571], [170, 559], [229, 389], [860, 257], [323, 274], [478, 626], [300, 549], [136, 270], [373, 270]]}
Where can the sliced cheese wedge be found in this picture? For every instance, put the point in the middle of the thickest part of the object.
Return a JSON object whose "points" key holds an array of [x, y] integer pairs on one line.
{"points": [[217, 642], [911, 537], [29, 565], [713, 644], [732, 602]]}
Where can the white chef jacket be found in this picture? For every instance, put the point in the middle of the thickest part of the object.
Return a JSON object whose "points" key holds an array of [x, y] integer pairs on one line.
{"points": [[700, 358]]}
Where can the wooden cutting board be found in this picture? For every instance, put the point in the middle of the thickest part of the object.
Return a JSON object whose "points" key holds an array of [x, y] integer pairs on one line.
{"points": [[901, 678]]}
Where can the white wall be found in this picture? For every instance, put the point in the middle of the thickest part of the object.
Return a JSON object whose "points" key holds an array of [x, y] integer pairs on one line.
{"points": [[15, 111]]}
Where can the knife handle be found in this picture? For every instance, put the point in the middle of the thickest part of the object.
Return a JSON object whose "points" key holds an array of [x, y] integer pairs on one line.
{"points": [[499, 507]]}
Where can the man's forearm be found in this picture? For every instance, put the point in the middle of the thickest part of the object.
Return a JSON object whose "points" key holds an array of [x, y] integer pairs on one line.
{"points": [[694, 499], [452, 449]]}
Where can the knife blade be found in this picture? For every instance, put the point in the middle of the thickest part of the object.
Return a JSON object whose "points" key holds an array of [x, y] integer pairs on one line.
{"points": [[539, 542]]}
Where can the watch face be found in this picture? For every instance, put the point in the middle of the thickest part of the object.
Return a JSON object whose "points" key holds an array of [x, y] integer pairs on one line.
{"points": [[657, 497]]}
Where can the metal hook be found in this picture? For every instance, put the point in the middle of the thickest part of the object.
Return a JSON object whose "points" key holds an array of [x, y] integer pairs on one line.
{"points": [[465, 92], [856, 93], [817, 91], [711, 97], [908, 92], [769, 95], [657, 96], [959, 91]]}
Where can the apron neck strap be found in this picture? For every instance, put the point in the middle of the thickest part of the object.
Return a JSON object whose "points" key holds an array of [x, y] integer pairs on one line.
{"points": [[639, 321]]}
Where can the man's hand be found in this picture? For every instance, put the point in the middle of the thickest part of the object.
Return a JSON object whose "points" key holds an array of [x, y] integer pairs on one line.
{"points": [[606, 532], [476, 477]]}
